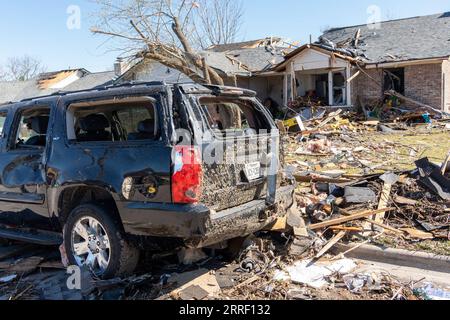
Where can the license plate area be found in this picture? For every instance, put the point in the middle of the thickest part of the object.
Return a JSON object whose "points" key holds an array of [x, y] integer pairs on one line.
{"points": [[252, 171]]}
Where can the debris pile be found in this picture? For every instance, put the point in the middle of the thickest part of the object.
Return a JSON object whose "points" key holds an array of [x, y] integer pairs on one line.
{"points": [[359, 181]]}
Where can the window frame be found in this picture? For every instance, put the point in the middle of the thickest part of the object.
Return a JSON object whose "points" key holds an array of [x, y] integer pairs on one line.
{"points": [[154, 99], [14, 129], [204, 116], [387, 72]]}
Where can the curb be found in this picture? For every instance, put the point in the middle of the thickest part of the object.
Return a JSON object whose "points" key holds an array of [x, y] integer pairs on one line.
{"points": [[401, 257]]}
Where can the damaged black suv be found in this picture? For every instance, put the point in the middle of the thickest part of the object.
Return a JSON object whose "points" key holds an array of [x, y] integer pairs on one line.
{"points": [[107, 171]]}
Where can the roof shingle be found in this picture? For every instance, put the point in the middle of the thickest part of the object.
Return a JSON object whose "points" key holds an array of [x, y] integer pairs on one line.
{"points": [[400, 40]]}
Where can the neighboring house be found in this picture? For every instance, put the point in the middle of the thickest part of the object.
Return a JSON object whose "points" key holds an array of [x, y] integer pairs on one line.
{"points": [[245, 64], [410, 56], [52, 82]]}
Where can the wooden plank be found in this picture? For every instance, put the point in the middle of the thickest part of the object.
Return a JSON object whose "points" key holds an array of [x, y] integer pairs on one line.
{"points": [[342, 220], [418, 234], [353, 76], [445, 164], [405, 201], [384, 200], [317, 178], [331, 244], [384, 226], [343, 228]]}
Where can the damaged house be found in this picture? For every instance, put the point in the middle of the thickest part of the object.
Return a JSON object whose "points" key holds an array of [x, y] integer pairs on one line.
{"points": [[355, 65], [348, 66], [244, 64]]}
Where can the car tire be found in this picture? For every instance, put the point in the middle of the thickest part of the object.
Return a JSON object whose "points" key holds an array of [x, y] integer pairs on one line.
{"points": [[122, 257]]}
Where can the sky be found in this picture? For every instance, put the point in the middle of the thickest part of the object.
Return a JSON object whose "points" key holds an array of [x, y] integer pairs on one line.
{"points": [[40, 28]]}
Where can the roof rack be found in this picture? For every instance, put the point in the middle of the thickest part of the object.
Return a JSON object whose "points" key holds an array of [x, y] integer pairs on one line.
{"points": [[100, 88]]}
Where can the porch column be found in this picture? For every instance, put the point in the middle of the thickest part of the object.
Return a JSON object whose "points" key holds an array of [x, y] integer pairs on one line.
{"points": [[330, 88], [349, 85], [285, 89]]}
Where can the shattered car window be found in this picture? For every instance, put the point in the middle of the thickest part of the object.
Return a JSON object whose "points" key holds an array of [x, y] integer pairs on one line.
{"points": [[134, 119], [112, 122], [31, 130], [238, 115]]}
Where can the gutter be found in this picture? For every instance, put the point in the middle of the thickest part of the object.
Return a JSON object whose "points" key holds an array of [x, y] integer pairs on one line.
{"points": [[396, 64]]}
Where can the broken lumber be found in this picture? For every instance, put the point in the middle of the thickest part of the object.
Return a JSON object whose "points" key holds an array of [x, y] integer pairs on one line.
{"points": [[418, 234], [445, 164], [384, 226], [389, 180], [353, 217], [404, 201], [350, 229], [420, 104], [353, 76], [331, 244], [330, 117]]}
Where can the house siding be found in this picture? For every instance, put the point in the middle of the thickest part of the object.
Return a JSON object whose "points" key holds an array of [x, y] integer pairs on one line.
{"points": [[424, 84]]}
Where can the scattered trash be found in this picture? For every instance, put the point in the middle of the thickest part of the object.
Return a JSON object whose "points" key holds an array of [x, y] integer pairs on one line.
{"points": [[356, 282], [430, 292], [252, 260]]}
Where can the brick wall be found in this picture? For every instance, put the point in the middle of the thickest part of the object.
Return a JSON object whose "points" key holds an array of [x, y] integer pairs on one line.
{"points": [[446, 85], [365, 89], [424, 84]]}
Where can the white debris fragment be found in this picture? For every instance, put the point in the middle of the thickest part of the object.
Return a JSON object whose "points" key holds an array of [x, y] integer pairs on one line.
{"points": [[303, 272], [281, 276]]}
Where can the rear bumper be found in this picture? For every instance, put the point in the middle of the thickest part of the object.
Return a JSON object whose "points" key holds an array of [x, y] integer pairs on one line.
{"points": [[199, 226]]}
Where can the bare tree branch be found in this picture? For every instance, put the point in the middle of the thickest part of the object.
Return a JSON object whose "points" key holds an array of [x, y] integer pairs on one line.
{"points": [[21, 69], [171, 31]]}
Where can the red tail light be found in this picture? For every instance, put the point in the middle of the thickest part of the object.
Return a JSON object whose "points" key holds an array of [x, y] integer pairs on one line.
{"points": [[187, 175]]}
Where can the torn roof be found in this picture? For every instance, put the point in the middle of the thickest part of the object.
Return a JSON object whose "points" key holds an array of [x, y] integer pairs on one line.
{"points": [[92, 80], [259, 59], [242, 62], [273, 41], [398, 40], [52, 82], [150, 70], [226, 63]]}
